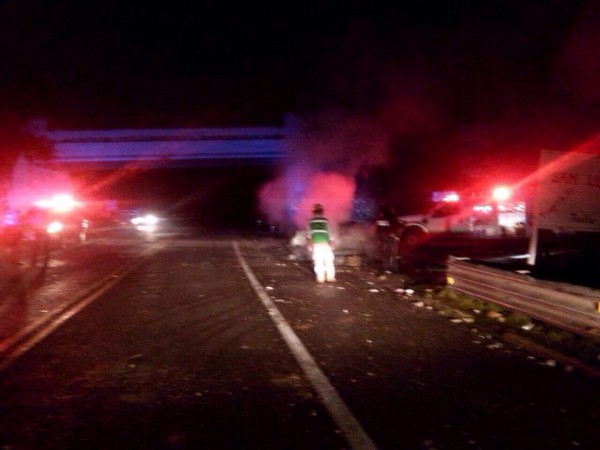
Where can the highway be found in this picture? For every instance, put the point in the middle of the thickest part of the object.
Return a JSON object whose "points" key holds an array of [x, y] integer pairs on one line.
{"points": [[188, 340]]}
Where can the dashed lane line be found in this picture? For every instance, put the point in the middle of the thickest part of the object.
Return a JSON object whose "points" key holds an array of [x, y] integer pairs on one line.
{"points": [[352, 430]]}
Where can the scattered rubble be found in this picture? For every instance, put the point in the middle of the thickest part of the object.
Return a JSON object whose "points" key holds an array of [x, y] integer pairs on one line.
{"points": [[491, 314], [496, 345]]}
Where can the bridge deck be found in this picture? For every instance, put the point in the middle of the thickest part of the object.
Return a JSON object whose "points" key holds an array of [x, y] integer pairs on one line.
{"points": [[168, 147]]}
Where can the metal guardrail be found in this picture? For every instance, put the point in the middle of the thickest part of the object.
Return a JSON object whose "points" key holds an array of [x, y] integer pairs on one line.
{"points": [[571, 307]]}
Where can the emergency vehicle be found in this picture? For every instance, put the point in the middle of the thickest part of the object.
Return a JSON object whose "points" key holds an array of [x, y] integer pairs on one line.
{"points": [[31, 230], [63, 218], [497, 215]]}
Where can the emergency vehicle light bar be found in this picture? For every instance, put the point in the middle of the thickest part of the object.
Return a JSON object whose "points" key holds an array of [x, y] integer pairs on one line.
{"points": [[445, 196]]}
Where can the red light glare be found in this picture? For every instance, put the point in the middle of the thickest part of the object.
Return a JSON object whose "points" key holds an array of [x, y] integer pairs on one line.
{"points": [[59, 203]]}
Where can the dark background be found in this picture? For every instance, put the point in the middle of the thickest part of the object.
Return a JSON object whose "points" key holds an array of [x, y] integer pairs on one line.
{"points": [[111, 62], [432, 77]]}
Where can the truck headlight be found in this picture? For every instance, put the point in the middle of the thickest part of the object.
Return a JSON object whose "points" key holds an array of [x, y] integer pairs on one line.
{"points": [[54, 227]]}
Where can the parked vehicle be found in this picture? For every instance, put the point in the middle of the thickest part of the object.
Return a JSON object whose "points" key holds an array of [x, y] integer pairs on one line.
{"points": [[495, 216]]}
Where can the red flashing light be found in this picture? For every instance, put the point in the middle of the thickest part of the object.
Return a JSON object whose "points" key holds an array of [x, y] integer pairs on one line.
{"points": [[501, 194], [59, 203]]}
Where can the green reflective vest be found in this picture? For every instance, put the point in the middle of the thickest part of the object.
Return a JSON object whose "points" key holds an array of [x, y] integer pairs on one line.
{"points": [[318, 228]]}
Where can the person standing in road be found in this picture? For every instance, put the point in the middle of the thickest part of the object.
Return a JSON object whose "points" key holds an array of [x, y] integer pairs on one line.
{"points": [[321, 245]]}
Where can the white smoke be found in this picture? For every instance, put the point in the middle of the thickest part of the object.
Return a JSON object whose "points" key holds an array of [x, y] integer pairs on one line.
{"points": [[324, 154]]}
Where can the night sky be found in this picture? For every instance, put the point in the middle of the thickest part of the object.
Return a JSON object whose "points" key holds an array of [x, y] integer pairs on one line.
{"points": [[83, 63]]}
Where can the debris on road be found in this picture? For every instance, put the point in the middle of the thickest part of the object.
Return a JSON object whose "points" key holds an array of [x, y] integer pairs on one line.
{"points": [[496, 345]]}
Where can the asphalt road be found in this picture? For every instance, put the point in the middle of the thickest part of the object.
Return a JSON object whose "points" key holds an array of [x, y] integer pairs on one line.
{"points": [[226, 343]]}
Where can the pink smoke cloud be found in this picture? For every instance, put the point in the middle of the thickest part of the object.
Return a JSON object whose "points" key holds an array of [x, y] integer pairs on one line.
{"points": [[324, 155], [285, 200], [332, 190]]}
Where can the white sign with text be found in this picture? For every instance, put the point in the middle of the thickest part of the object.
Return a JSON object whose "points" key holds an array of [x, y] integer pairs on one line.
{"points": [[569, 191]]}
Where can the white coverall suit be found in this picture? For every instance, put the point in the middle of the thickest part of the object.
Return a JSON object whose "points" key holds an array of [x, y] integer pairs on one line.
{"points": [[322, 253]]}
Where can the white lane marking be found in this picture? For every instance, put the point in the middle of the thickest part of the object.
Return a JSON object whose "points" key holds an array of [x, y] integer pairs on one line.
{"points": [[335, 405]]}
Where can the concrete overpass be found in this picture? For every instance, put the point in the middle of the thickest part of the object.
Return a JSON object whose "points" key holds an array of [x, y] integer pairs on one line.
{"points": [[167, 148]]}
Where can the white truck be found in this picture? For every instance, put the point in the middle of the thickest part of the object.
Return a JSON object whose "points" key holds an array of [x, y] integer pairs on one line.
{"points": [[494, 217]]}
